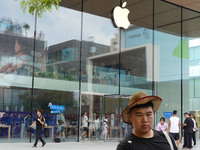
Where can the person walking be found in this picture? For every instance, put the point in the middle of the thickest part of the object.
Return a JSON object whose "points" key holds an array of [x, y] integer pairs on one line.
{"points": [[140, 114], [188, 130], [97, 128], [85, 126], [162, 125], [174, 127], [39, 122], [194, 130], [105, 130]]}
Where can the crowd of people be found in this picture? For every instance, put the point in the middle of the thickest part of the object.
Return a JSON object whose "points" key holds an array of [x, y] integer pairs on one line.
{"points": [[174, 128], [63, 125], [136, 120], [99, 127]]}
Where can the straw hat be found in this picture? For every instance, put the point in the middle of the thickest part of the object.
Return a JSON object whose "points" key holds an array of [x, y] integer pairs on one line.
{"points": [[138, 99]]}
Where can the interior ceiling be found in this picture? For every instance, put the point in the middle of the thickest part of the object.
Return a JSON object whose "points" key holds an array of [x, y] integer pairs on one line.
{"points": [[167, 16], [191, 4]]}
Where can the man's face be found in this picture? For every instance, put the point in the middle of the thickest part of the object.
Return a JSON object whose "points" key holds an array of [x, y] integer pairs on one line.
{"points": [[186, 115], [142, 120]]}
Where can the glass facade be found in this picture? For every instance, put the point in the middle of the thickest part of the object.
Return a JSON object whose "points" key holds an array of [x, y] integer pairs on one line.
{"points": [[78, 60]]}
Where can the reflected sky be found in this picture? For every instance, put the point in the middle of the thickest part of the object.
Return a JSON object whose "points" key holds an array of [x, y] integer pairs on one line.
{"points": [[62, 25]]}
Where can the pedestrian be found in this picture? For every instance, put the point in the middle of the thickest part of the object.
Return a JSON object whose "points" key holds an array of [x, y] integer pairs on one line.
{"points": [[124, 129], [85, 126], [105, 130], [194, 130], [175, 127], [40, 122], [188, 130], [61, 125], [162, 125], [97, 128], [140, 114], [27, 123]]}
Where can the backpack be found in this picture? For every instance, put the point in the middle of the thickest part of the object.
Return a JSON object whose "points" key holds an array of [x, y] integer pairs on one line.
{"points": [[43, 126]]}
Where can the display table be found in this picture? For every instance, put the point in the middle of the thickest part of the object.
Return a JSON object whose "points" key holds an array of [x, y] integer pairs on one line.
{"points": [[115, 128], [13, 129], [9, 128], [52, 130], [72, 128]]}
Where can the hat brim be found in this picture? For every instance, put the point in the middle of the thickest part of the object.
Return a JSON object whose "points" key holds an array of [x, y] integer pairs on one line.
{"points": [[154, 99]]}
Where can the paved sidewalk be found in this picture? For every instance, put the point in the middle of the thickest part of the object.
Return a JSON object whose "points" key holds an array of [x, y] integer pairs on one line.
{"points": [[62, 146], [88, 145]]}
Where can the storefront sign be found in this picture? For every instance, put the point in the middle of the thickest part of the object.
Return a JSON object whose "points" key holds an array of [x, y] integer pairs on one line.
{"points": [[167, 115], [120, 16], [56, 112], [56, 108]]}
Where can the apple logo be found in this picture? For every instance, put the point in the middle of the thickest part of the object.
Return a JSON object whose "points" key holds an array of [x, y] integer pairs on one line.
{"points": [[120, 16]]}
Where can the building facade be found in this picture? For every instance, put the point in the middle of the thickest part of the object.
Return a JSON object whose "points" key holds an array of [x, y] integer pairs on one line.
{"points": [[79, 60]]}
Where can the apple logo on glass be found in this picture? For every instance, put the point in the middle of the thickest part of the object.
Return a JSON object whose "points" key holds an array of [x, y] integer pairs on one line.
{"points": [[120, 16]]}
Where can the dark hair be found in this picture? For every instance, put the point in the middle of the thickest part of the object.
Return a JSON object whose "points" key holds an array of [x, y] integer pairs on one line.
{"points": [[146, 105], [21, 42], [40, 110], [84, 112], [193, 115], [186, 113], [162, 118], [174, 112]]}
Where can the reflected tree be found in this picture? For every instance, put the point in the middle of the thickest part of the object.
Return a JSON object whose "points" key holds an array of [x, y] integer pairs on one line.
{"points": [[26, 27], [43, 97]]}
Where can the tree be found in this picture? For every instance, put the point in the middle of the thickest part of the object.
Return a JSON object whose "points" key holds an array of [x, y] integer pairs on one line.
{"points": [[40, 6], [26, 27]]}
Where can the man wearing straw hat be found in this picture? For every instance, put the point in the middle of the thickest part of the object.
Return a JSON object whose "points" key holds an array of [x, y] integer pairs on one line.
{"points": [[140, 114]]}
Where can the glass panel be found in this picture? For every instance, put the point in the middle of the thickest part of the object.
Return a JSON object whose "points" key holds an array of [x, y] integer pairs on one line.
{"points": [[16, 44], [191, 59], [168, 76], [99, 62], [57, 57], [136, 72]]}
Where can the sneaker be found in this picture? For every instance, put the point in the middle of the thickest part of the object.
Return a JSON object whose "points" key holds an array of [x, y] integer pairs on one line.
{"points": [[44, 144], [34, 146], [82, 139]]}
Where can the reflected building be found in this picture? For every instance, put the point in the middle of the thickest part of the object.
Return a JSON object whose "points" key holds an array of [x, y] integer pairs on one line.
{"points": [[64, 58], [8, 27], [158, 54]]}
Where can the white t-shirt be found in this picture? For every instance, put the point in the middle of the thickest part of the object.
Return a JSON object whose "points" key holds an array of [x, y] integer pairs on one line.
{"points": [[194, 125], [84, 121], [96, 124], [105, 127], [174, 128]]}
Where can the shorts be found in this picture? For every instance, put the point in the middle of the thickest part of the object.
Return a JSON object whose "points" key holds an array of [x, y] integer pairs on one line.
{"points": [[61, 128], [85, 129], [176, 136]]}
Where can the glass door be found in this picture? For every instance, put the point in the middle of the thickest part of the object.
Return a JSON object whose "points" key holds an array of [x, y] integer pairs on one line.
{"points": [[104, 117]]}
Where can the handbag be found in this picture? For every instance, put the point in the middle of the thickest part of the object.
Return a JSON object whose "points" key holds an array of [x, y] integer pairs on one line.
{"points": [[169, 140]]}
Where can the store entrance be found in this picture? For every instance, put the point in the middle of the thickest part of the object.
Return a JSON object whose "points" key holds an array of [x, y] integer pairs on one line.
{"points": [[104, 115]]}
